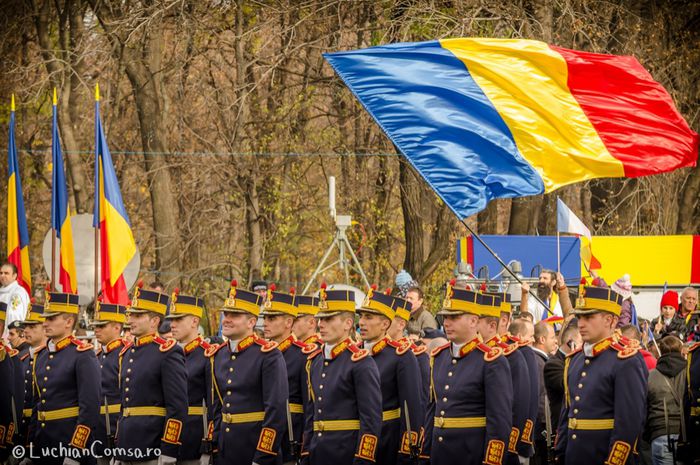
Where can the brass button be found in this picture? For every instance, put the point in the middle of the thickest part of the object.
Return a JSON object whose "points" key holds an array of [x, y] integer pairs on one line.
{"points": [[320, 434], [126, 389], [128, 370], [43, 425], [320, 398], [577, 398], [575, 410], [319, 411], [583, 374], [580, 385], [325, 364], [439, 421], [228, 381], [228, 429], [228, 404], [46, 378], [447, 387], [43, 389], [133, 350], [454, 361], [48, 367], [228, 393], [572, 423], [449, 373], [444, 399], [50, 357], [43, 401], [442, 412], [323, 375], [131, 360], [127, 380], [439, 438], [573, 436], [230, 369], [587, 362], [320, 386]]}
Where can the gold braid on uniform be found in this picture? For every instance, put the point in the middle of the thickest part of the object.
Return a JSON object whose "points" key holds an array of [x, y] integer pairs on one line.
{"points": [[312, 396]]}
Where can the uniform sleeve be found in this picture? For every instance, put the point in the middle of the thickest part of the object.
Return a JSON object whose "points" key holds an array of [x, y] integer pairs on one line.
{"points": [[365, 377], [174, 382], [18, 397], [563, 429], [630, 408], [7, 375], [521, 394], [424, 365], [498, 387], [308, 413], [275, 396], [215, 406], [87, 372], [209, 399], [409, 383]]}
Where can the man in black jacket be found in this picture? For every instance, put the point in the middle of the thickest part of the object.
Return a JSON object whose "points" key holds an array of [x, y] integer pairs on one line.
{"points": [[569, 340]]}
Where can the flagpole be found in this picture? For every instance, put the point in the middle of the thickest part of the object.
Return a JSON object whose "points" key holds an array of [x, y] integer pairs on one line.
{"points": [[96, 287], [54, 237], [558, 253]]}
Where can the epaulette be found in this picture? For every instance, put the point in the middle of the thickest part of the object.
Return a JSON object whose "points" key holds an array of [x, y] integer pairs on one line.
{"points": [[314, 353], [265, 346], [126, 347], [693, 347], [490, 353], [204, 345], [417, 350], [166, 344], [509, 348], [574, 352], [627, 342], [213, 349], [624, 351], [401, 346], [437, 350], [81, 346], [306, 349], [24, 357], [357, 353], [11, 352]]}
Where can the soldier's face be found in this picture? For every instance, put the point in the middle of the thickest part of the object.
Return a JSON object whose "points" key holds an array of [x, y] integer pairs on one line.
{"points": [[460, 328], [503, 323], [34, 334], [237, 325], [107, 333], [334, 329], [396, 329], [14, 337], [142, 324], [487, 327], [595, 327], [304, 326], [277, 326], [58, 326], [185, 328], [373, 327]]}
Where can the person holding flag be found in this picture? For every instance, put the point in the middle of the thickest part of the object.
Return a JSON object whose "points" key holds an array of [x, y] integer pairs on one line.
{"points": [[60, 215], [116, 240], [15, 275]]}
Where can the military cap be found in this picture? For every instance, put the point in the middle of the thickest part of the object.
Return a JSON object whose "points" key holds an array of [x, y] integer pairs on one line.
{"points": [[280, 303], [104, 313], [147, 300], [378, 303], [242, 301], [505, 298], [3, 311], [333, 302], [35, 314], [181, 305], [460, 301], [307, 305], [490, 305], [402, 308], [60, 302], [598, 299], [16, 324]]}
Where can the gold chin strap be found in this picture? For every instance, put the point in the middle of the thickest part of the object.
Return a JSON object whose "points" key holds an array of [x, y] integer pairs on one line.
{"points": [[214, 385], [312, 396], [566, 383], [433, 394]]}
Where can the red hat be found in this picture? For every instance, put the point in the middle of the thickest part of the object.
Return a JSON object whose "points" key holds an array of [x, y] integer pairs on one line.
{"points": [[670, 298]]}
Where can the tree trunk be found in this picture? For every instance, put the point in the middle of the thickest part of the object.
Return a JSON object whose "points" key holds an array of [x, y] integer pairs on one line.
{"points": [[688, 218]]}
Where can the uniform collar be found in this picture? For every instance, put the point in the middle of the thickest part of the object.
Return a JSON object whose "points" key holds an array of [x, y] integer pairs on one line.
{"points": [[36, 350], [332, 351], [112, 345], [494, 341], [311, 339], [60, 345], [460, 350], [143, 340], [193, 344], [241, 345], [287, 343], [593, 350], [378, 346]]}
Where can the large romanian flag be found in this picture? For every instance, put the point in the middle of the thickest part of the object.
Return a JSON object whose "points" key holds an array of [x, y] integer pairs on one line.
{"points": [[117, 246], [17, 233], [60, 213], [488, 118]]}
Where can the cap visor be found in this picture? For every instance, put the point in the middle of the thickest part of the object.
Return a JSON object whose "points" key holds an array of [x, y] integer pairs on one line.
{"points": [[588, 311], [327, 314], [175, 316]]}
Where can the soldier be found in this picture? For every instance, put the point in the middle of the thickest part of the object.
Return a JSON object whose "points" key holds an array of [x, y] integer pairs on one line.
{"points": [[521, 333], [402, 309], [66, 400], [490, 318], [344, 414], [689, 451], [34, 333], [279, 312], [185, 314], [605, 388], [471, 390], [108, 324], [250, 387], [399, 376], [153, 385], [304, 327], [8, 390]]}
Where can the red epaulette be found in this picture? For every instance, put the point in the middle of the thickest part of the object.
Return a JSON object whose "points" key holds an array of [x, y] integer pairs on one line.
{"points": [[204, 344], [10, 351], [357, 353], [402, 346], [314, 353], [624, 351], [490, 353], [306, 349], [417, 350], [24, 357], [126, 347], [508, 349], [574, 352], [265, 346], [165, 344], [437, 350], [693, 347], [213, 349], [81, 346]]}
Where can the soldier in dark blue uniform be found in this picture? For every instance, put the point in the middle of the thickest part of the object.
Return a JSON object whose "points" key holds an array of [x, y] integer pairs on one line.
{"points": [[305, 325], [605, 387], [344, 413], [66, 396], [520, 378], [34, 333], [185, 314], [399, 376], [689, 450], [250, 387], [153, 384], [108, 324], [8, 390], [469, 420], [280, 310], [521, 333]]}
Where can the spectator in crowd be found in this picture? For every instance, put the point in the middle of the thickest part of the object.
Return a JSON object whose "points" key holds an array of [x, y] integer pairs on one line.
{"points": [[632, 332], [259, 287], [665, 394], [569, 341], [668, 322], [688, 312], [404, 282], [545, 344], [552, 290], [526, 316], [429, 335], [623, 286], [14, 295], [15, 336], [421, 318], [157, 286]]}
